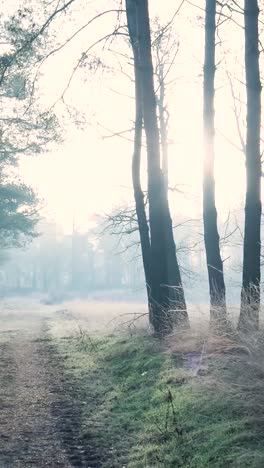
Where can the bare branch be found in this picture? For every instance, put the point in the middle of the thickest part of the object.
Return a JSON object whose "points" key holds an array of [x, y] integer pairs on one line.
{"points": [[237, 114]]}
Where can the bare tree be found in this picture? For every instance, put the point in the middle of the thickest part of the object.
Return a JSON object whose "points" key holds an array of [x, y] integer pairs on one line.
{"points": [[165, 49], [250, 294], [138, 192], [166, 291], [211, 235]]}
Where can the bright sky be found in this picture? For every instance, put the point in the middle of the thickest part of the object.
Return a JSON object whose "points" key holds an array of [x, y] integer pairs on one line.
{"points": [[88, 174]]}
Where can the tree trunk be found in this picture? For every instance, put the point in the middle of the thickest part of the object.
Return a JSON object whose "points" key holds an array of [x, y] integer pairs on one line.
{"points": [[163, 120], [136, 161], [250, 294], [166, 287], [218, 314], [138, 193]]}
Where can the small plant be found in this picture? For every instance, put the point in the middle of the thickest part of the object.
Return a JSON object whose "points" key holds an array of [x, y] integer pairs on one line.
{"points": [[85, 338], [168, 423]]}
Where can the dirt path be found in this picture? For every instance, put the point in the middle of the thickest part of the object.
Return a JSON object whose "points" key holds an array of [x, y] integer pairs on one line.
{"points": [[39, 418]]}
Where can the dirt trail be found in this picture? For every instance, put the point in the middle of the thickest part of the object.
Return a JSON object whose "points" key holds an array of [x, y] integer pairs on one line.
{"points": [[39, 419]]}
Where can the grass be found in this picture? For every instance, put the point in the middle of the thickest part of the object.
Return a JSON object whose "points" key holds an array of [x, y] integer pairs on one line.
{"points": [[142, 407]]}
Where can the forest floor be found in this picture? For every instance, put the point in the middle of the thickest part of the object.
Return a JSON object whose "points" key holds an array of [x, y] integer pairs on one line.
{"points": [[80, 390], [39, 415]]}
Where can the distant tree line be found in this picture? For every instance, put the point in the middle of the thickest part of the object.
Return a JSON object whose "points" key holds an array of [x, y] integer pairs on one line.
{"points": [[59, 265]]}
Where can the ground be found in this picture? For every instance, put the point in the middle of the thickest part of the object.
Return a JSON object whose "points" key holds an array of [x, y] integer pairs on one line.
{"points": [[81, 388], [39, 419]]}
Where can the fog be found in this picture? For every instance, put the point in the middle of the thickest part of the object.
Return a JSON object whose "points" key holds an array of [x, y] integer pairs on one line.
{"points": [[104, 264]]}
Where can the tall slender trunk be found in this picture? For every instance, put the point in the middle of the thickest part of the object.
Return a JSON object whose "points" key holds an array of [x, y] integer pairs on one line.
{"points": [[218, 314], [136, 161], [138, 193], [163, 121], [250, 294], [166, 286]]}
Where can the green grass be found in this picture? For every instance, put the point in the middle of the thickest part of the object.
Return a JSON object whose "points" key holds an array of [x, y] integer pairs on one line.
{"points": [[139, 410]]}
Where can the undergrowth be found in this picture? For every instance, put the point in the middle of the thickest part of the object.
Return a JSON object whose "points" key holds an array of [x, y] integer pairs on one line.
{"points": [[144, 407]]}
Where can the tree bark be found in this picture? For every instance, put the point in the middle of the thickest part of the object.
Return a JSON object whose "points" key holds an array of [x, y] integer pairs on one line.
{"points": [[138, 193], [163, 120], [166, 292], [218, 314], [136, 161], [250, 293]]}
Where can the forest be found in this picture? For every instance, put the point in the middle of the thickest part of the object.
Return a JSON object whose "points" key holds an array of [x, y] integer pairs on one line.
{"points": [[131, 265]]}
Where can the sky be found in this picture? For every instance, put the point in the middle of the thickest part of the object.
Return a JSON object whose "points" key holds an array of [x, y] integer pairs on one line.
{"points": [[89, 173]]}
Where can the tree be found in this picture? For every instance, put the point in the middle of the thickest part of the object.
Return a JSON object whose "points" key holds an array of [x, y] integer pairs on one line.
{"points": [[166, 291], [250, 293], [18, 212], [165, 49], [214, 262], [24, 129], [82, 262], [143, 226]]}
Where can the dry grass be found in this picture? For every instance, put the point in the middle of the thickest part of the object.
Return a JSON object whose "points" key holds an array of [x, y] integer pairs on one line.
{"points": [[92, 317]]}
